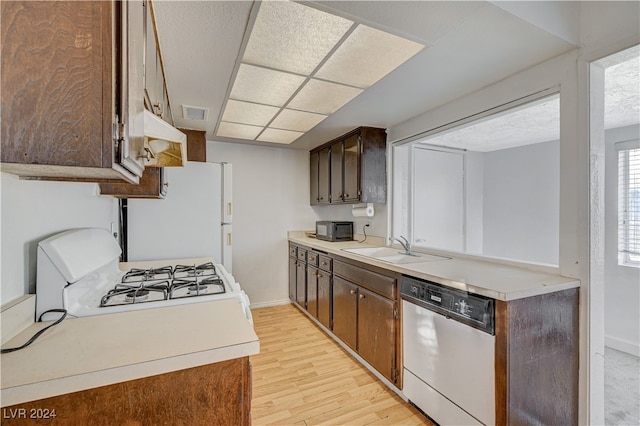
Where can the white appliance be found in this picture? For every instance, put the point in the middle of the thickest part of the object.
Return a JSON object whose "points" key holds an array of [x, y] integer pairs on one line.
{"points": [[193, 220], [78, 270], [449, 352]]}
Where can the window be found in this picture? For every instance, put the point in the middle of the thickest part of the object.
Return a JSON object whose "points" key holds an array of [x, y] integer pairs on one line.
{"points": [[488, 185], [629, 203]]}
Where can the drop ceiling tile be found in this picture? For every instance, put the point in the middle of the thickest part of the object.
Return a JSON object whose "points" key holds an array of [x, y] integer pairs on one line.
{"points": [[238, 131], [323, 97], [366, 56], [293, 37], [264, 86], [279, 136], [249, 113], [301, 121]]}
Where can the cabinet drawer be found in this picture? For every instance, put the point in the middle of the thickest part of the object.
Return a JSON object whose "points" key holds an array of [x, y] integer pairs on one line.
{"points": [[325, 263], [302, 254], [293, 250], [312, 258], [378, 283]]}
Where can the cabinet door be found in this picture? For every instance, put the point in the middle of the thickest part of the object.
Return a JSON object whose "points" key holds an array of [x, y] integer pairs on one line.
{"points": [[312, 291], [377, 331], [337, 155], [351, 175], [150, 61], [345, 311], [313, 178], [323, 175], [130, 108], [301, 284], [292, 278], [324, 298]]}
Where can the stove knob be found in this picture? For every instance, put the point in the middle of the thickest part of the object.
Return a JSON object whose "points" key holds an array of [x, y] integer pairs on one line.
{"points": [[462, 307], [414, 290]]}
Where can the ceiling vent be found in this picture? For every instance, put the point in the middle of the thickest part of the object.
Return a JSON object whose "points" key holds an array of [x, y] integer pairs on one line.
{"points": [[195, 113]]}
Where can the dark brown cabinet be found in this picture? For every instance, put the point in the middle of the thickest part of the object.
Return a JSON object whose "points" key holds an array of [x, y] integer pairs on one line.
{"points": [[72, 87], [350, 169], [152, 184], [324, 290], [156, 97], [293, 265], [345, 311], [211, 394], [356, 302], [365, 315], [301, 278], [320, 174]]}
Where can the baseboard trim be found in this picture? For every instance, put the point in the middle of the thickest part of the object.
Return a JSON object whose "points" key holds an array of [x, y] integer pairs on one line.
{"points": [[622, 345], [270, 303]]}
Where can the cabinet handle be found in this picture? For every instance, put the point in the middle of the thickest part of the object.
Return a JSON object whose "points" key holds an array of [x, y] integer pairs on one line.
{"points": [[352, 292], [319, 275], [361, 296], [346, 195]]}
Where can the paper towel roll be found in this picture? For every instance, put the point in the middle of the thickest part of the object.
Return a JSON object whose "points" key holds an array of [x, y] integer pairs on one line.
{"points": [[366, 211]]}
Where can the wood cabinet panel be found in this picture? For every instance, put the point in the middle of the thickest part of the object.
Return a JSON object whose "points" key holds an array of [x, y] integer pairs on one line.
{"points": [[214, 394], [324, 298], [196, 145], [301, 283], [312, 290], [293, 262], [351, 168], [351, 174], [336, 167], [324, 176], [64, 85], [537, 359], [345, 311], [325, 263], [381, 284], [314, 167], [152, 185], [377, 331]]}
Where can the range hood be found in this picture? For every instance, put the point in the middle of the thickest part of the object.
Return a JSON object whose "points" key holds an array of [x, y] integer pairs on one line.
{"points": [[164, 145]]}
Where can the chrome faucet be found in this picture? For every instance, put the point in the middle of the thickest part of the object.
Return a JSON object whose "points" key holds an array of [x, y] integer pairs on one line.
{"points": [[406, 245]]}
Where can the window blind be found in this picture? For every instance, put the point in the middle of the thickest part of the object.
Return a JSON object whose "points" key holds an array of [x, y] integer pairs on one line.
{"points": [[629, 202]]}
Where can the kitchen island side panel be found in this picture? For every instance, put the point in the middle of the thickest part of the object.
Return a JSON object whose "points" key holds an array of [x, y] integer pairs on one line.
{"points": [[537, 359], [214, 394]]}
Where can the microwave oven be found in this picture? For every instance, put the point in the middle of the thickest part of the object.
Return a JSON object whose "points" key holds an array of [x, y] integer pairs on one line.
{"points": [[329, 230]]}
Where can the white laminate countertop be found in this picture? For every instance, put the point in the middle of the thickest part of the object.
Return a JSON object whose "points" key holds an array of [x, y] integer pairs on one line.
{"points": [[492, 279], [84, 353]]}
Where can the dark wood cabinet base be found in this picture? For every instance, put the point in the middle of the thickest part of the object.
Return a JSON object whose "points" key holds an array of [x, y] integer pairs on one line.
{"points": [[214, 394]]}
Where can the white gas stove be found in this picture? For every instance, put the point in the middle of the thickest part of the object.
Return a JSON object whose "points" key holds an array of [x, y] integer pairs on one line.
{"points": [[78, 270]]}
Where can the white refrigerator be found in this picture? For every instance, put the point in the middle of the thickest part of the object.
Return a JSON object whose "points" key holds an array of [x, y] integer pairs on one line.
{"points": [[193, 220]]}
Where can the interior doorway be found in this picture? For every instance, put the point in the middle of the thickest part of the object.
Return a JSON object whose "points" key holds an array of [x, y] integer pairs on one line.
{"points": [[615, 236]]}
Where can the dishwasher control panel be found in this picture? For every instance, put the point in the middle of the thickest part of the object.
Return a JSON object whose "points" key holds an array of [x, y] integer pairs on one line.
{"points": [[472, 309]]}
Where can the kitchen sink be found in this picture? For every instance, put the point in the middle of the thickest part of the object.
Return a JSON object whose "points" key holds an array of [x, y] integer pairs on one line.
{"points": [[394, 255]]}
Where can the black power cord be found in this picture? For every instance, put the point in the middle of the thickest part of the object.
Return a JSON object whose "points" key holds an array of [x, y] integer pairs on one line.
{"points": [[39, 333], [366, 225]]}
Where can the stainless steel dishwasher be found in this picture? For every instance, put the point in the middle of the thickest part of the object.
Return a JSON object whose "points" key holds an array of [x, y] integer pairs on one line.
{"points": [[448, 343]]}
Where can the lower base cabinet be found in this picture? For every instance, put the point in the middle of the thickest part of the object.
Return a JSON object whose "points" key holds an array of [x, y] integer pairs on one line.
{"points": [[214, 394]]}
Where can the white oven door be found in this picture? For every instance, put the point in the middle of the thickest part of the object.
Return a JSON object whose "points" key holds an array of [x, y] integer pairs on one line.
{"points": [[448, 362]]}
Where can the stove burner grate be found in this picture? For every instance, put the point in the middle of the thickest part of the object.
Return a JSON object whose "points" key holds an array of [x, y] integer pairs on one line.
{"points": [[196, 287], [135, 294], [140, 275], [184, 271]]}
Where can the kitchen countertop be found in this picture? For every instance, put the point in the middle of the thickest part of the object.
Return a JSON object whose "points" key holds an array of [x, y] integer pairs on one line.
{"points": [[492, 279], [89, 352]]}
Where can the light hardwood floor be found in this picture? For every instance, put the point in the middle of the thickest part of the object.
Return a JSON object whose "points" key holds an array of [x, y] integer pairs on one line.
{"points": [[303, 377]]}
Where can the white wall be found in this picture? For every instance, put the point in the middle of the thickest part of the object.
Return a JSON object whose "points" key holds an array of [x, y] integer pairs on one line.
{"points": [[34, 210], [622, 283], [271, 197], [521, 213]]}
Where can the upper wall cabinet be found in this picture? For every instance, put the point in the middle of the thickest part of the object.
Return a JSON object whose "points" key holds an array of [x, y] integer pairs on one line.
{"points": [[350, 169], [72, 89], [156, 97]]}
